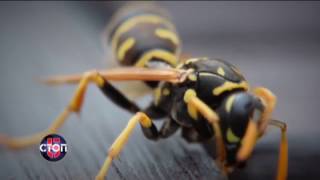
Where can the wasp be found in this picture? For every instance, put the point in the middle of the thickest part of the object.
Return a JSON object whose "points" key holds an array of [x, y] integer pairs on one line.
{"points": [[206, 98]]}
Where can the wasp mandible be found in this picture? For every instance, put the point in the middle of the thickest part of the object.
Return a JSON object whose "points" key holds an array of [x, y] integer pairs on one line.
{"points": [[205, 97]]}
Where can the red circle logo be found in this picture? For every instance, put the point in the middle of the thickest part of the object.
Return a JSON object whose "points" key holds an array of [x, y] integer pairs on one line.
{"points": [[53, 147]]}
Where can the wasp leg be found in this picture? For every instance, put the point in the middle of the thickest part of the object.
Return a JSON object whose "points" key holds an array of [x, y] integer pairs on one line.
{"points": [[168, 128], [123, 101], [212, 118], [118, 98], [283, 152], [122, 139], [74, 106], [194, 104], [191, 135], [154, 112]]}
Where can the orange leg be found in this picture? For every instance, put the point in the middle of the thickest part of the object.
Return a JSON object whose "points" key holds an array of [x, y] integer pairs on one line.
{"points": [[195, 105], [131, 73], [74, 106], [212, 118], [283, 151], [122, 139]]}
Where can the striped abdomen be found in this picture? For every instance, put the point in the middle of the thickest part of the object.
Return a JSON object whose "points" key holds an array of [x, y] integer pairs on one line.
{"points": [[144, 37]]}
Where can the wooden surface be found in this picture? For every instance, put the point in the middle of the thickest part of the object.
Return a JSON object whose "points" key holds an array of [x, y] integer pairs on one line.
{"points": [[41, 39]]}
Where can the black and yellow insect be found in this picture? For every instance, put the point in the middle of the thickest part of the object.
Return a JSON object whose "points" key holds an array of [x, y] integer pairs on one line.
{"points": [[204, 97]]}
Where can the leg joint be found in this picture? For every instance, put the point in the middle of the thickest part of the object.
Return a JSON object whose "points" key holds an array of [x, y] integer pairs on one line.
{"points": [[280, 124], [94, 76], [144, 120]]}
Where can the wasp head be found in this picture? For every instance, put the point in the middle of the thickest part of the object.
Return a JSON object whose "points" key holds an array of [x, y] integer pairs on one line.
{"points": [[240, 113]]}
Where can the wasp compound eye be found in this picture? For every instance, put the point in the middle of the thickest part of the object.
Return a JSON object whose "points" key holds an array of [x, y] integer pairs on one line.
{"points": [[239, 110]]}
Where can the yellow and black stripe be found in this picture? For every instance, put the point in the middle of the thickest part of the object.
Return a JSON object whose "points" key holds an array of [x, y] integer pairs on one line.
{"points": [[141, 35]]}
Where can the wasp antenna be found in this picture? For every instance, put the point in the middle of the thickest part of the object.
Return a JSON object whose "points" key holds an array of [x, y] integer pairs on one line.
{"points": [[283, 151], [60, 79], [3, 139]]}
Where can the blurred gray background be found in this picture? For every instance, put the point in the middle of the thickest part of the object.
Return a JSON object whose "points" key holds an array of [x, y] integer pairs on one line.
{"points": [[275, 44]]}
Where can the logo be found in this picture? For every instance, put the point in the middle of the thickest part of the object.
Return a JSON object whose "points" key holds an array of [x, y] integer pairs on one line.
{"points": [[53, 147]]}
